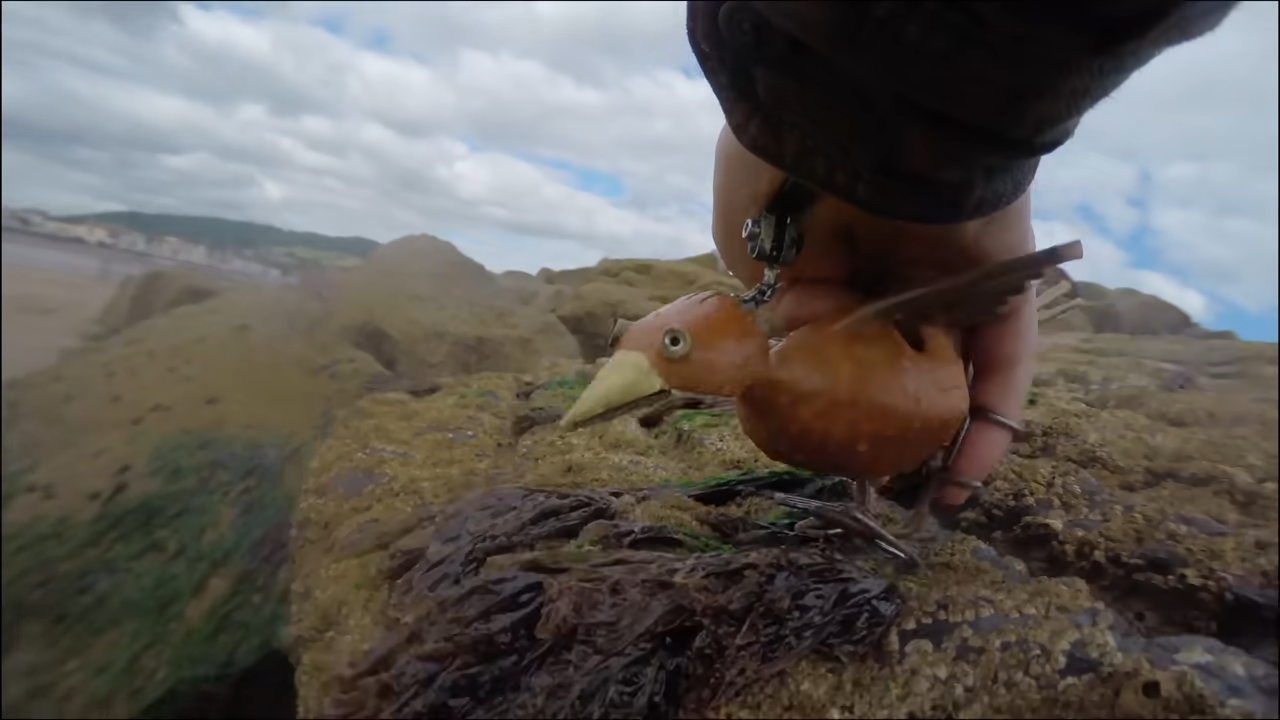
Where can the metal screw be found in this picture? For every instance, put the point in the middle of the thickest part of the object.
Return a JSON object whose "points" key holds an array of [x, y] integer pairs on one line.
{"points": [[753, 233], [791, 248]]}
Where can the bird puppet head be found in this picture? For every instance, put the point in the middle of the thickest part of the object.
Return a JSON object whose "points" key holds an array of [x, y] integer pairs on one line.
{"points": [[704, 343]]}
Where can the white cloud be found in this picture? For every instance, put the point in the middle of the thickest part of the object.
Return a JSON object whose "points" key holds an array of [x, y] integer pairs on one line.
{"points": [[1188, 148], [1105, 263], [437, 117], [279, 121], [1109, 186]]}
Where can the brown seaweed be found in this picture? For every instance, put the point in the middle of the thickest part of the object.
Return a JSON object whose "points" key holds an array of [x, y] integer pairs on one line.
{"points": [[502, 626]]}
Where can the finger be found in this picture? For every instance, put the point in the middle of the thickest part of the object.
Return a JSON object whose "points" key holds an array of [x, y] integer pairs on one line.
{"points": [[1003, 356], [798, 304]]}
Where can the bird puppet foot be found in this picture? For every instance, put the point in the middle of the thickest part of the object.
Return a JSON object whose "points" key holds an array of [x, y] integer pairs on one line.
{"points": [[833, 518], [863, 499], [814, 527], [923, 526]]}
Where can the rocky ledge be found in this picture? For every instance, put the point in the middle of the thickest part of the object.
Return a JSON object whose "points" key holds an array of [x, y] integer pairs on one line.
{"points": [[455, 555]]}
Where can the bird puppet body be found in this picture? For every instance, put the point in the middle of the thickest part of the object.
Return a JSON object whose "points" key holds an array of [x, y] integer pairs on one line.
{"points": [[872, 389], [856, 402]]}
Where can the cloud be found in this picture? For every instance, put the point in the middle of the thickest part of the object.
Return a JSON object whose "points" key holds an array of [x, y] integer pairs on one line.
{"points": [[279, 120], [554, 133], [1105, 263], [1179, 170]]}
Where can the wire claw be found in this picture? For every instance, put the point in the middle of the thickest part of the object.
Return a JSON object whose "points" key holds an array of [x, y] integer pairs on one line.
{"points": [[849, 518]]}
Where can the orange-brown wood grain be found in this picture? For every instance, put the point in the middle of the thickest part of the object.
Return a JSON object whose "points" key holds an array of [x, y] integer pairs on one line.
{"points": [[857, 402]]}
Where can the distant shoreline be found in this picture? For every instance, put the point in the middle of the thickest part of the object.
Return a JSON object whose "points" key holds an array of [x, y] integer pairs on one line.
{"points": [[50, 252]]}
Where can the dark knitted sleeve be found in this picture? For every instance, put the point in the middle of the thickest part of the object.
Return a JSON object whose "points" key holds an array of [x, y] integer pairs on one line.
{"points": [[932, 112]]}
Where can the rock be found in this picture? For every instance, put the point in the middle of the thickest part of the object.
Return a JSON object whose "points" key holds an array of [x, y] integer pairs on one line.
{"points": [[1073, 321], [185, 574], [1162, 500], [152, 575], [663, 280], [1124, 311], [423, 310], [626, 289], [981, 638], [390, 382], [1195, 331], [526, 288], [182, 515], [1142, 505], [1086, 582], [536, 417], [1092, 292], [352, 484], [154, 293], [590, 311], [1179, 379], [336, 605], [1129, 312]]}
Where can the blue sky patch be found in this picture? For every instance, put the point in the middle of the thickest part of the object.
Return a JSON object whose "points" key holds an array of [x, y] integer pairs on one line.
{"points": [[379, 39], [689, 67], [333, 23], [1092, 218], [1248, 326], [1142, 246], [242, 9], [606, 185], [596, 182]]}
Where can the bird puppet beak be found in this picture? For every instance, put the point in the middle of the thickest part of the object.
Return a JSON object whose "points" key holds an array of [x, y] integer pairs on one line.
{"points": [[625, 383]]}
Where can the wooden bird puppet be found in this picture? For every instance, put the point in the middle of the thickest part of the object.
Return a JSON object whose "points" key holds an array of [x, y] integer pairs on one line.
{"points": [[872, 389]]}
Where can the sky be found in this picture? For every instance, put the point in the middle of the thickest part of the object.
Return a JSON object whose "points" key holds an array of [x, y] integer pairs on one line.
{"points": [[552, 134]]}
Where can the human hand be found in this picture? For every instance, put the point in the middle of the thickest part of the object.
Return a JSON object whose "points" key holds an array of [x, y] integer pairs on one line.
{"points": [[849, 251], [1002, 353]]}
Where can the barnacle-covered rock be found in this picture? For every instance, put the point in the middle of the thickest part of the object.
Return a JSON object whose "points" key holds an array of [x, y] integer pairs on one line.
{"points": [[1005, 617], [589, 299], [1153, 476]]}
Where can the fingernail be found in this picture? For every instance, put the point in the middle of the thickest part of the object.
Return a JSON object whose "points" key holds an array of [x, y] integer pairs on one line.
{"points": [[958, 491], [969, 484]]}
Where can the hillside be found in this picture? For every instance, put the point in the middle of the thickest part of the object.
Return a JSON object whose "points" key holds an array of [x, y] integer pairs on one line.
{"points": [[225, 234]]}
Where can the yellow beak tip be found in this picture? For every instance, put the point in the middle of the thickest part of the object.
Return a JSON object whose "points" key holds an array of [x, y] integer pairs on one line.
{"points": [[627, 377]]}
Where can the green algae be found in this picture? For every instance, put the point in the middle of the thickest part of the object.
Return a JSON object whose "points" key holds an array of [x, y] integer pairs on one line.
{"points": [[156, 590], [760, 477], [705, 543], [565, 389]]}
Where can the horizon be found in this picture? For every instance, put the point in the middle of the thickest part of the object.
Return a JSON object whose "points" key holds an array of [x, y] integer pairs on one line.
{"points": [[381, 120], [67, 218]]}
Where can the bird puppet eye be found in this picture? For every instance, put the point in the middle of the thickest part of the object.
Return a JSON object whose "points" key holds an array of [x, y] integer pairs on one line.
{"points": [[675, 343]]}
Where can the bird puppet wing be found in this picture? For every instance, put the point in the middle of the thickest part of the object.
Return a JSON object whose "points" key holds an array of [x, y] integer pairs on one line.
{"points": [[966, 300]]}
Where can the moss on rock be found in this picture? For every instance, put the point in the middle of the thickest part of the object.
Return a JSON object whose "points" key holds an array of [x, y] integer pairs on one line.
{"points": [[155, 590], [994, 624]]}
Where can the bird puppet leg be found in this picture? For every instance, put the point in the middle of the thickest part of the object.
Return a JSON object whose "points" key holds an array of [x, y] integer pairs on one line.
{"points": [[833, 518], [920, 514], [864, 494], [860, 518]]}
